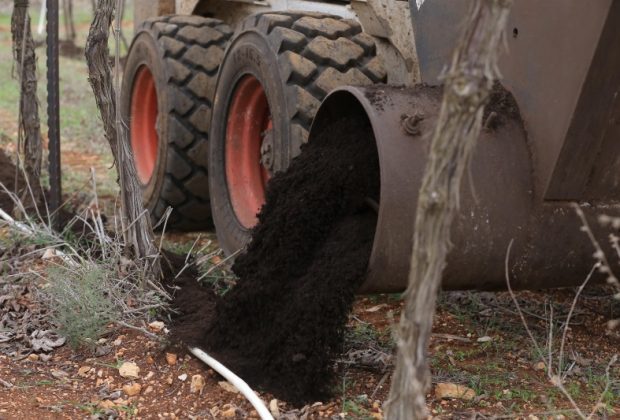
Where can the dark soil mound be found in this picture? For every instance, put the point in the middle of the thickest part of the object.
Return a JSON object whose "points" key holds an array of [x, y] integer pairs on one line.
{"points": [[281, 326], [193, 304], [8, 174]]}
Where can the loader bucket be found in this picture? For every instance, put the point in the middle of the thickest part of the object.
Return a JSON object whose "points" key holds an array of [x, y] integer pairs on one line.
{"points": [[497, 202]]}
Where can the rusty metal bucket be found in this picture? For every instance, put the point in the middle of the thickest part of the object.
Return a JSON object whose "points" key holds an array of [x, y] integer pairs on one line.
{"points": [[499, 203]]}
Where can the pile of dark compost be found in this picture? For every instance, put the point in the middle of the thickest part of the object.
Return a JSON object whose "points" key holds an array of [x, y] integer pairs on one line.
{"points": [[281, 326], [193, 304]]}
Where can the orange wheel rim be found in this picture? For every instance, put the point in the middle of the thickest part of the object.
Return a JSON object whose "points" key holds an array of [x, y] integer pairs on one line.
{"points": [[247, 171], [144, 140]]}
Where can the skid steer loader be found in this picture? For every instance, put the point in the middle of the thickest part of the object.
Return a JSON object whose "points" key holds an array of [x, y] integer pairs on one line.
{"points": [[221, 94]]}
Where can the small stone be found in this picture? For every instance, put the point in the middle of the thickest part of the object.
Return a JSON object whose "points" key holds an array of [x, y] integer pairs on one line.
{"points": [[197, 384], [132, 389], [106, 404], [454, 391], [227, 386], [484, 339], [102, 350], [33, 357], [171, 359], [156, 326], [150, 360], [229, 412], [114, 395], [129, 370], [118, 341], [148, 390], [59, 374], [539, 366], [83, 371], [273, 408], [183, 377]]}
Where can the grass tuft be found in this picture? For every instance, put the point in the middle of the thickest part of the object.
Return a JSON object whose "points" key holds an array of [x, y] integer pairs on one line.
{"points": [[81, 302]]}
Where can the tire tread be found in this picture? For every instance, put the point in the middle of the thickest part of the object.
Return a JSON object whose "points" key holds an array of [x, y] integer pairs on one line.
{"points": [[317, 52], [193, 48]]}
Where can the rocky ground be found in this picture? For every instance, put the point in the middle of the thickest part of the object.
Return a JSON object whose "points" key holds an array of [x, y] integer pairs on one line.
{"points": [[483, 365]]}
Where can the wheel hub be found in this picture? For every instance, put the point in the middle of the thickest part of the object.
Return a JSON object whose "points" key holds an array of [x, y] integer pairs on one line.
{"points": [[249, 149], [266, 150]]}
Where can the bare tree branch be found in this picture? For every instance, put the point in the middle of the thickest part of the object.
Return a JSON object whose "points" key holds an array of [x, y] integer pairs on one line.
{"points": [[135, 223], [468, 83], [29, 142]]}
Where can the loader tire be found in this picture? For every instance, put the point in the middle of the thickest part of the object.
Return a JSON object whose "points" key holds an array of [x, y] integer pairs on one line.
{"points": [[167, 97], [276, 71]]}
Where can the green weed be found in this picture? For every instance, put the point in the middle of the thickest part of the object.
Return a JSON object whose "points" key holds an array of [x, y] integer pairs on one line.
{"points": [[81, 305]]}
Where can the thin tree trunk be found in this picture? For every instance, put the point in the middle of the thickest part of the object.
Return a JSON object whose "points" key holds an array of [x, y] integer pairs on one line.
{"points": [[70, 33], [468, 83], [136, 224], [29, 134]]}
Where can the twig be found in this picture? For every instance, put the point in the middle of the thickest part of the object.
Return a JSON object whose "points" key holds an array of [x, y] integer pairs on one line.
{"points": [[451, 337], [555, 379], [140, 329], [6, 384], [599, 255], [216, 266], [514, 300], [187, 257], [570, 314], [379, 384]]}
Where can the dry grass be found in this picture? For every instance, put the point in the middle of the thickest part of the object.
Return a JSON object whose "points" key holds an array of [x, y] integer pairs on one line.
{"points": [[88, 283]]}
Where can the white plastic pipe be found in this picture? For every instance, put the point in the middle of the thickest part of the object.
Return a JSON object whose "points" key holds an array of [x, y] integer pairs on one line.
{"points": [[236, 381]]}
